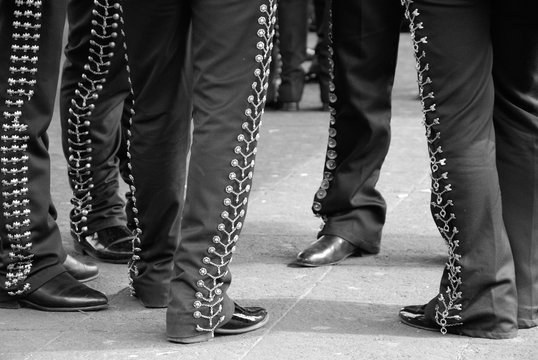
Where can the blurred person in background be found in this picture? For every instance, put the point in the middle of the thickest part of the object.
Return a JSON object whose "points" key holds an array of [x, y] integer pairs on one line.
{"points": [[287, 81]]}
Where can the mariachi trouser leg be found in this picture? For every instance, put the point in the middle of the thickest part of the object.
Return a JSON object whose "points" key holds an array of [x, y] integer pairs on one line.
{"points": [[515, 69], [292, 31], [94, 88], [31, 250], [230, 81], [157, 37], [477, 295], [359, 133]]}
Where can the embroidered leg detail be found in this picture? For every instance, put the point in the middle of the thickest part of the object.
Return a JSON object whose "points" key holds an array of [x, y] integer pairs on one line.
{"points": [[331, 154], [130, 102], [448, 306], [14, 143], [101, 52], [209, 296], [107, 24]]}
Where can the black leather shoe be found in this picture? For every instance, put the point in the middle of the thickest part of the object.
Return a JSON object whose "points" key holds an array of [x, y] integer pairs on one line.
{"points": [[61, 293], [327, 250], [244, 319], [414, 316], [81, 271], [112, 245], [288, 106]]}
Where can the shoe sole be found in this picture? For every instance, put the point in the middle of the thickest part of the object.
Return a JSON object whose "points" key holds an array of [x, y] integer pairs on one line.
{"points": [[407, 321], [190, 340], [88, 278], [29, 304], [243, 330], [305, 264]]}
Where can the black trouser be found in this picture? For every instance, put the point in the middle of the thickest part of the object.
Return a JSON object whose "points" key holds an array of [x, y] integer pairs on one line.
{"points": [[478, 66], [291, 46], [231, 46], [365, 43], [31, 250], [93, 91]]}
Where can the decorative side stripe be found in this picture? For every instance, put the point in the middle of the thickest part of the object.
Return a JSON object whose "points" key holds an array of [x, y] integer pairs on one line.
{"points": [[107, 23], [448, 307], [132, 267], [331, 154], [14, 143], [101, 51], [207, 305]]}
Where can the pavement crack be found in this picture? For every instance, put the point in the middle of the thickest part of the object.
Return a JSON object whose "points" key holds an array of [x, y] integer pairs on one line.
{"points": [[299, 299]]}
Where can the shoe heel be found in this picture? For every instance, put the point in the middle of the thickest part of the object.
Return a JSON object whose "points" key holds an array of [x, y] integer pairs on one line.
{"points": [[10, 304]]}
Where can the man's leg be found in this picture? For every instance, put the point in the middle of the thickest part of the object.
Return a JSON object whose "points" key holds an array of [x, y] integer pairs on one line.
{"points": [[477, 294], [230, 78], [31, 251], [94, 87], [157, 36], [365, 37], [515, 69]]}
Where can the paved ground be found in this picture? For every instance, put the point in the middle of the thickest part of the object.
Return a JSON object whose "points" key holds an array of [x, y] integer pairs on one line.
{"points": [[343, 312]]}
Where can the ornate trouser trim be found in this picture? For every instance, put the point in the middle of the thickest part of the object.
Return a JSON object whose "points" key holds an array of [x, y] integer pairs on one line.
{"points": [[448, 307], [14, 143], [209, 296], [132, 270], [105, 23], [331, 154]]}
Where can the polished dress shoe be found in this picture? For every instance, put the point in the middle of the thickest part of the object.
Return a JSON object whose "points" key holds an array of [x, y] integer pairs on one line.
{"points": [[244, 319], [61, 293], [80, 270], [112, 245], [327, 250], [414, 315]]}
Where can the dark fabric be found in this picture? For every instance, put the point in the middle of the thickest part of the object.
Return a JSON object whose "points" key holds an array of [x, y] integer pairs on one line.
{"points": [[365, 45], [292, 30], [106, 207], [44, 236], [478, 70], [515, 117], [290, 51], [322, 54], [161, 74], [224, 94]]}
